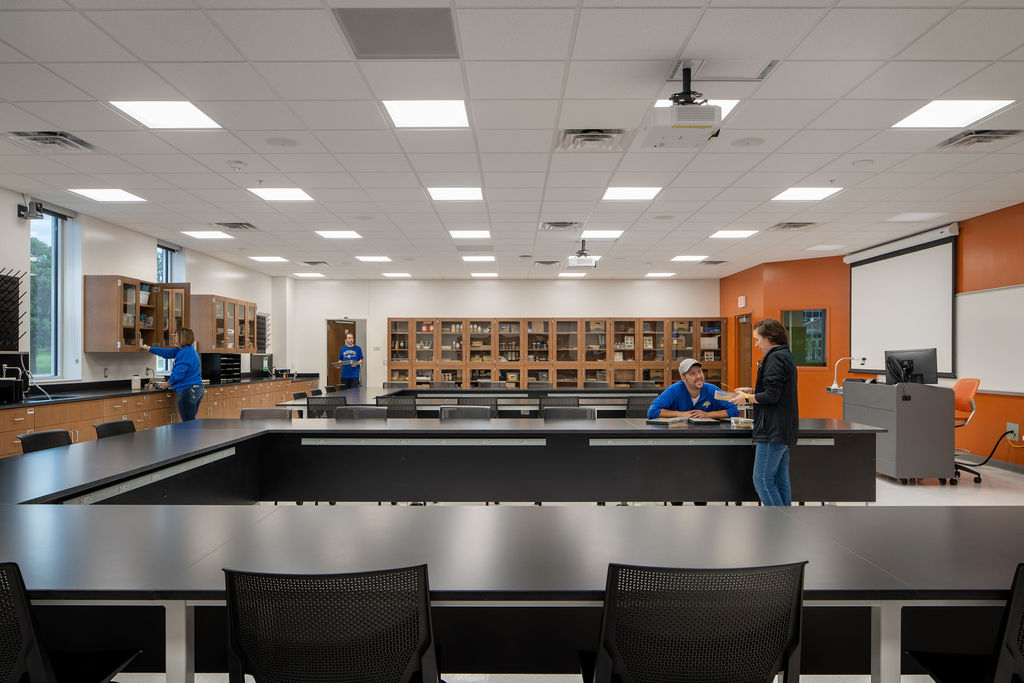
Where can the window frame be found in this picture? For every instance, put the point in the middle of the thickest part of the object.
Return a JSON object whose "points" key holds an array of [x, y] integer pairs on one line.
{"points": [[58, 223], [801, 360]]}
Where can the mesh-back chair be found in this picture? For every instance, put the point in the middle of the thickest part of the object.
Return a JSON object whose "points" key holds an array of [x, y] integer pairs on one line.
{"points": [[371, 627], [568, 413], [266, 414], [595, 384], [40, 441], [549, 401], [396, 385], [491, 384], [643, 384], [531, 384], [361, 413], [1003, 664], [316, 392], [113, 428], [296, 395], [465, 413], [662, 624], [398, 406], [636, 406], [330, 389], [489, 401], [323, 406], [22, 654], [444, 385]]}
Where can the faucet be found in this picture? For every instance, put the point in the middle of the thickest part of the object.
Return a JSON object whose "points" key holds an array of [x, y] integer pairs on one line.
{"points": [[150, 370]]}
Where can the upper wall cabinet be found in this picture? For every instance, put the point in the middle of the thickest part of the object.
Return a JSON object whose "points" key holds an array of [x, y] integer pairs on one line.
{"points": [[123, 313], [223, 325]]}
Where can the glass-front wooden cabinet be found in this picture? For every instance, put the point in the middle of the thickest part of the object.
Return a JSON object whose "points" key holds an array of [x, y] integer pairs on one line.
{"points": [[122, 313], [652, 341], [595, 341], [424, 341], [538, 341], [481, 344], [222, 325], [452, 340], [567, 341]]}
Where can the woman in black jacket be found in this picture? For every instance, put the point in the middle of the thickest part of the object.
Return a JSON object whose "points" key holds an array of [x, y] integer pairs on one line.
{"points": [[776, 416]]}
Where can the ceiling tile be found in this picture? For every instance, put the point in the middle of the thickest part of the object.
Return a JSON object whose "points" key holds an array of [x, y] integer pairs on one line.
{"points": [[1003, 81], [512, 114], [9, 54], [971, 34], [814, 80], [514, 162], [215, 81], [33, 82], [165, 163], [441, 80], [204, 141], [617, 80], [653, 34], [252, 115], [515, 141], [315, 80], [305, 163], [12, 118], [521, 80], [276, 141], [59, 37], [436, 141], [916, 80], [873, 114], [374, 163], [81, 116], [585, 161], [515, 34], [284, 35], [821, 141], [750, 33], [308, 181], [625, 114], [785, 114], [341, 115], [444, 162], [171, 36], [866, 33], [356, 142]]}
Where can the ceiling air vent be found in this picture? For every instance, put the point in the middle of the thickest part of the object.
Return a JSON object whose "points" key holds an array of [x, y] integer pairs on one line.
{"points": [[315, 263], [591, 140], [546, 263], [712, 263], [788, 227], [560, 226], [970, 138], [48, 141], [240, 227]]}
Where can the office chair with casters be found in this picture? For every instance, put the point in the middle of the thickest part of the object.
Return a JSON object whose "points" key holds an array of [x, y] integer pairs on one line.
{"points": [[398, 406], [963, 412], [549, 401], [530, 384], [40, 441], [266, 414], [296, 395], [361, 413], [371, 627], [1005, 663], [396, 385], [113, 428], [444, 385], [568, 413], [22, 655], [490, 401], [645, 384], [324, 406], [316, 392], [594, 384], [661, 623], [465, 413], [636, 406]]}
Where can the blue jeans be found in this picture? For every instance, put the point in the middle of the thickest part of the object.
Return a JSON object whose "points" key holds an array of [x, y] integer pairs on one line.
{"points": [[771, 473], [188, 401], [349, 382]]}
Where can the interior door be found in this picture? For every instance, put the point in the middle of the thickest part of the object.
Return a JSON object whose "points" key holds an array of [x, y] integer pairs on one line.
{"points": [[336, 331]]}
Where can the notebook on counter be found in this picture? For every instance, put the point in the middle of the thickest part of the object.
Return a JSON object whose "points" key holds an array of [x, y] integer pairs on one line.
{"points": [[703, 420], [665, 420]]}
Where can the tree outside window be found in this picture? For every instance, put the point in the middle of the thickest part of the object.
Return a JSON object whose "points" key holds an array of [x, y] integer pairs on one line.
{"points": [[806, 336]]}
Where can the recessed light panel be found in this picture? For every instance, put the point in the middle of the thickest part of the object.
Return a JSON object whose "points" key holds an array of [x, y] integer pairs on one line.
{"points": [[733, 234], [281, 194], [805, 194], [339, 234], [484, 274], [427, 113], [687, 258], [374, 259], [477, 259], [726, 105], [455, 194], [572, 275], [105, 195], [166, 114], [914, 217], [396, 274], [470, 234], [660, 275], [951, 113], [631, 194], [268, 259], [308, 274], [601, 234], [826, 247], [207, 234]]}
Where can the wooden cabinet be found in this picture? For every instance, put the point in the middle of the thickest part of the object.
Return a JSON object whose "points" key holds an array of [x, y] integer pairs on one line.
{"points": [[123, 313], [223, 325], [567, 352]]}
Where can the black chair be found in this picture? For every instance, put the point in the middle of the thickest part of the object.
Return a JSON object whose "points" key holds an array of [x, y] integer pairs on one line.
{"points": [[396, 385], [643, 384], [568, 413], [361, 413], [398, 406], [336, 387], [699, 624], [530, 384], [324, 406], [489, 401], [491, 384], [22, 654], [296, 395], [316, 392], [372, 627], [266, 414], [444, 385], [330, 389], [1006, 661], [465, 413], [40, 441], [113, 428], [550, 401], [636, 406], [594, 384]]}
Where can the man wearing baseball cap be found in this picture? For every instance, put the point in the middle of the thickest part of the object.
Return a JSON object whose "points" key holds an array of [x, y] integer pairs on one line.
{"points": [[691, 396]]}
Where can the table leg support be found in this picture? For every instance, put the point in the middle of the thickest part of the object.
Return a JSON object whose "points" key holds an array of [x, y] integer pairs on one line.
{"points": [[885, 642], [179, 621]]}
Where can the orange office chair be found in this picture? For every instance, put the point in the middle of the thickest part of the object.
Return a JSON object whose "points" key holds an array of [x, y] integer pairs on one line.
{"points": [[963, 412]]}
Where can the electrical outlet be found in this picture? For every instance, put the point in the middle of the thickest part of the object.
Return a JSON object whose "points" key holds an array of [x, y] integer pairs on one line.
{"points": [[1015, 428]]}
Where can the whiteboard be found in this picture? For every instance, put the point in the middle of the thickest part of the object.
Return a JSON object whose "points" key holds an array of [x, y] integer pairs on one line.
{"points": [[990, 338]]}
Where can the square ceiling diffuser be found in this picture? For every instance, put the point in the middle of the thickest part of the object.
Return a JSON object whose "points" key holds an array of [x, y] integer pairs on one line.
{"points": [[399, 32]]}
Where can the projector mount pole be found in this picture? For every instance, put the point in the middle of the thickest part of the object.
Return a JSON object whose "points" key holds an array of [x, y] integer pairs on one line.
{"points": [[687, 96]]}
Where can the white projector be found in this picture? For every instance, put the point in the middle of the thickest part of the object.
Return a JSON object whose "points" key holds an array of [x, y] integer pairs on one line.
{"points": [[581, 262], [681, 126]]}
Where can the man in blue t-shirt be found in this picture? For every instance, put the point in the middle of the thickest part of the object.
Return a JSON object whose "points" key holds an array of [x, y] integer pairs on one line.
{"points": [[691, 396], [350, 358]]}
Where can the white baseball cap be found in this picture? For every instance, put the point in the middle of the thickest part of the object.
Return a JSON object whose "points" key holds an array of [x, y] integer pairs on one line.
{"points": [[687, 364]]}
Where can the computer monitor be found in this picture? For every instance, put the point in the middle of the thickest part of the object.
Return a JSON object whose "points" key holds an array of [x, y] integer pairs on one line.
{"points": [[911, 365]]}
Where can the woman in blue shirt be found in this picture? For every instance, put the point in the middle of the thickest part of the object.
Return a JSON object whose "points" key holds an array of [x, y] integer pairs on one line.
{"points": [[185, 377]]}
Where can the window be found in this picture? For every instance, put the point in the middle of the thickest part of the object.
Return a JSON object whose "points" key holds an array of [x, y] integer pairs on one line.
{"points": [[806, 336], [44, 288]]}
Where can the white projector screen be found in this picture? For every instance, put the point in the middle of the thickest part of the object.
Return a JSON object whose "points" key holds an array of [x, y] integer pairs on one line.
{"points": [[903, 301]]}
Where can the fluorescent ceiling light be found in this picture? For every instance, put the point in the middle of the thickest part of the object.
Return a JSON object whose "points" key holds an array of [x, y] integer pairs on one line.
{"points": [[101, 195], [572, 275], [951, 113], [688, 258], [308, 274], [914, 217], [484, 274], [631, 194], [733, 234], [374, 259], [280, 194], [726, 105], [396, 274], [659, 275], [477, 259], [470, 234], [268, 259], [805, 194], [455, 194], [208, 234], [826, 247], [166, 114], [601, 234], [339, 234], [427, 113]]}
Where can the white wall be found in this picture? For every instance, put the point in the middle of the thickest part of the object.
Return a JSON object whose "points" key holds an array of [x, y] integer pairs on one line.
{"points": [[315, 302], [14, 252]]}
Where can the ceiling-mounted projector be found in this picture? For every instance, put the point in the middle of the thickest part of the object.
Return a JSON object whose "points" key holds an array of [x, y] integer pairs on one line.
{"points": [[582, 259], [687, 124]]}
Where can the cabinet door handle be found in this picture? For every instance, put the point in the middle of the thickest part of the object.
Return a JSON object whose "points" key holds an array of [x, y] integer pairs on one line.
{"points": [[18, 419]]}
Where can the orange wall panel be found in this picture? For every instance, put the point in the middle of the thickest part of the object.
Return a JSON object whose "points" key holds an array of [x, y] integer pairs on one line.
{"points": [[990, 250]]}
